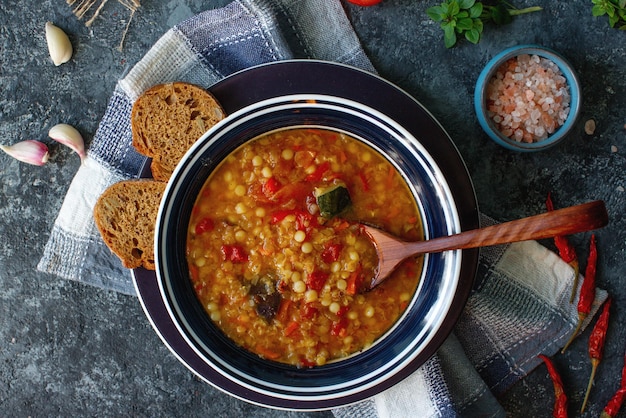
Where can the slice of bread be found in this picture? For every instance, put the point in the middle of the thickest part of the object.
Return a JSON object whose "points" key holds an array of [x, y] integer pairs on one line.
{"points": [[167, 119], [125, 215]]}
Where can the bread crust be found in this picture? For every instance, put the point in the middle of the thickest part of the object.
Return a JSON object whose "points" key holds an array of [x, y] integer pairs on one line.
{"points": [[126, 214], [167, 119]]}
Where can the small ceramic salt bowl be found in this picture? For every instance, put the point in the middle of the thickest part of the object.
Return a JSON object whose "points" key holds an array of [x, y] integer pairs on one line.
{"points": [[527, 98]]}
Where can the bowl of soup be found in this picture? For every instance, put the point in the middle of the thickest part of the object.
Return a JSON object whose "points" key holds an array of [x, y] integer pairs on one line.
{"points": [[261, 260]]}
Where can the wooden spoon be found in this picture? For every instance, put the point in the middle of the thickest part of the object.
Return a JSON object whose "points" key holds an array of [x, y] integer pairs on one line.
{"points": [[391, 250]]}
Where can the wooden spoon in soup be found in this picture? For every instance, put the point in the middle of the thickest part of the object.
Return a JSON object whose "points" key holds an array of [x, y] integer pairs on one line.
{"points": [[392, 251]]}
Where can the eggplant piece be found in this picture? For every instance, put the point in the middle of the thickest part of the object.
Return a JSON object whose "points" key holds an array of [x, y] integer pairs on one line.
{"points": [[266, 298], [332, 200]]}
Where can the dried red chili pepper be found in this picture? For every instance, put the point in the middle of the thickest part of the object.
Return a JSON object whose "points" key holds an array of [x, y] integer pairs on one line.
{"points": [[587, 290], [567, 252], [615, 403], [560, 402], [596, 346]]}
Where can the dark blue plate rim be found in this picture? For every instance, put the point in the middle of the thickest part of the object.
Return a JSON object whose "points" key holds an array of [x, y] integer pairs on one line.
{"points": [[319, 77]]}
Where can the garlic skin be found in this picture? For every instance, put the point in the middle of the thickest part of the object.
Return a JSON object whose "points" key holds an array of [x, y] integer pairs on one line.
{"points": [[69, 136], [59, 44], [28, 151]]}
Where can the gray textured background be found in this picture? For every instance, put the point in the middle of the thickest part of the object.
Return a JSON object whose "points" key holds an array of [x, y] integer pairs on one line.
{"points": [[71, 350]]}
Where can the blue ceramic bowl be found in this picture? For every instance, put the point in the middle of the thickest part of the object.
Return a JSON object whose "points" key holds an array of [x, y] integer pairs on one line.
{"points": [[427, 321], [480, 98]]}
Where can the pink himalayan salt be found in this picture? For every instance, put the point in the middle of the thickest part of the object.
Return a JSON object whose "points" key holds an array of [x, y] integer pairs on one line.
{"points": [[528, 98]]}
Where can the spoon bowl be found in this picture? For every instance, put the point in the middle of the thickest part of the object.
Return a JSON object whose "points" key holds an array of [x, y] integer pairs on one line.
{"points": [[571, 220]]}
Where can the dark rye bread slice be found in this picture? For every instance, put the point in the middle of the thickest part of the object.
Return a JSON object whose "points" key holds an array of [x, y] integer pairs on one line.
{"points": [[125, 215], [167, 119]]}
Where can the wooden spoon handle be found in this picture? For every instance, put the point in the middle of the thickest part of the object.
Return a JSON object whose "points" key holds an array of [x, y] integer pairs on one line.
{"points": [[566, 221]]}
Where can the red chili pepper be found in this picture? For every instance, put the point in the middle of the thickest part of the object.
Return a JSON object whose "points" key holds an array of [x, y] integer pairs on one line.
{"points": [[587, 290], [560, 402], [234, 253], [615, 403], [567, 252], [204, 225], [364, 2], [331, 252], [596, 346], [316, 280]]}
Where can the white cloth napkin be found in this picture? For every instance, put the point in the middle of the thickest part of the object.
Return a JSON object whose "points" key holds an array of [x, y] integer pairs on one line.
{"points": [[518, 309]]}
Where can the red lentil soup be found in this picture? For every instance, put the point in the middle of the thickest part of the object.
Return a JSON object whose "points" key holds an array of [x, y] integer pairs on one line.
{"points": [[276, 272]]}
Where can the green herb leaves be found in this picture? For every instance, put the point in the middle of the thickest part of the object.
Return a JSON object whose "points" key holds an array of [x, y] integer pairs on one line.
{"points": [[614, 9], [467, 17], [458, 16]]}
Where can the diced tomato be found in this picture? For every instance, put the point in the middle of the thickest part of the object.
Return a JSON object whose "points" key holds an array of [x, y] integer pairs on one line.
{"points": [[198, 287], [204, 225], [271, 187], [306, 363], [355, 280], [339, 327], [194, 273], [319, 172], [295, 192], [291, 328], [279, 215], [364, 182], [316, 280], [282, 286], [308, 311], [266, 352], [343, 311], [305, 221], [331, 252], [283, 310], [234, 253]]}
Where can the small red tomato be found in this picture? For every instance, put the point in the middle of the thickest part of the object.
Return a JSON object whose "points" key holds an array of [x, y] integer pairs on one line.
{"points": [[364, 2], [204, 225]]}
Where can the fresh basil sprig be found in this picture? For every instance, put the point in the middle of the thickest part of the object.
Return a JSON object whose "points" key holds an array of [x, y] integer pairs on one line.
{"points": [[467, 17], [614, 9]]}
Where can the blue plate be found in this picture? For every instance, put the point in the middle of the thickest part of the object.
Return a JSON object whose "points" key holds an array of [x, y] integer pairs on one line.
{"points": [[319, 94]]}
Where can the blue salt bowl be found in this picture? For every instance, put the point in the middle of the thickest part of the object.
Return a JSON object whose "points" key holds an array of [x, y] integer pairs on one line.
{"points": [[480, 98]]}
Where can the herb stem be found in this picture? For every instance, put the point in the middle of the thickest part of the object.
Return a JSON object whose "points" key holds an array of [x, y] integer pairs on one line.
{"points": [[517, 12]]}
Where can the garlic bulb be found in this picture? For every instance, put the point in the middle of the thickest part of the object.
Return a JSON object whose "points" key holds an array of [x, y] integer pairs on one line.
{"points": [[68, 135], [59, 44], [29, 151]]}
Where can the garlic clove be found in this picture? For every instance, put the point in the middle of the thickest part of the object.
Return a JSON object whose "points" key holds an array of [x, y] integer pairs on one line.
{"points": [[28, 151], [69, 136], [59, 44]]}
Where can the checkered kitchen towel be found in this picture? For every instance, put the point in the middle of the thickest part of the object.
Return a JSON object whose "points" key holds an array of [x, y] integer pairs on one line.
{"points": [[520, 305]]}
